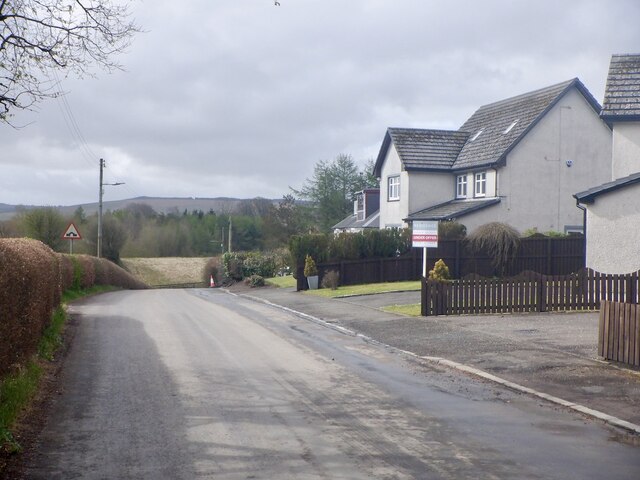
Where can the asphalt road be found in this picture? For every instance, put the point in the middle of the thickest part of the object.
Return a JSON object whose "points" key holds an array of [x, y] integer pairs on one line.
{"points": [[183, 384]]}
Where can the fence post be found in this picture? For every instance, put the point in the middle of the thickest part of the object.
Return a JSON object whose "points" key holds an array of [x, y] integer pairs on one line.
{"points": [[457, 262], [300, 283], [542, 293]]}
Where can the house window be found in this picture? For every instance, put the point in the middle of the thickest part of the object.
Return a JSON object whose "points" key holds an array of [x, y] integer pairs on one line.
{"points": [[393, 190], [481, 185], [360, 207], [461, 186]]}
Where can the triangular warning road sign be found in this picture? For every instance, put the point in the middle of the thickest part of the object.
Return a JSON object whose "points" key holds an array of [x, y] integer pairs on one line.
{"points": [[72, 233]]}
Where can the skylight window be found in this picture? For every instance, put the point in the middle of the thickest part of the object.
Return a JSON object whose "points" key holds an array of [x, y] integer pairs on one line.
{"points": [[510, 127], [476, 135]]}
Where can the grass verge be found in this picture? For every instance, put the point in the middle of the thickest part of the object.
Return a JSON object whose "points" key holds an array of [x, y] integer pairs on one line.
{"points": [[368, 289], [19, 388], [286, 281], [412, 310]]}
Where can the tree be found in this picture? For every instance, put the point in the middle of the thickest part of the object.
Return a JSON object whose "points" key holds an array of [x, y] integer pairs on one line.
{"points": [[332, 187], [114, 236], [41, 36], [283, 221], [44, 224]]}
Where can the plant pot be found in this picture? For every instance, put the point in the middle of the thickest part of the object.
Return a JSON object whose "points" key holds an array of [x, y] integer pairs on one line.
{"points": [[313, 282]]}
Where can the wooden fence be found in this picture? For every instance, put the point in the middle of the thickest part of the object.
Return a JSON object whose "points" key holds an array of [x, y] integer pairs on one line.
{"points": [[550, 256], [619, 332], [527, 292]]}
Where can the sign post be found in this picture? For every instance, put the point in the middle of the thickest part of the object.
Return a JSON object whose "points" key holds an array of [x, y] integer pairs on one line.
{"points": [[71, 234], [425, 235]]}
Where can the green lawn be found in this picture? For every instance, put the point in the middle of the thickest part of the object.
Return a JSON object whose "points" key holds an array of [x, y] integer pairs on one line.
{"points": [[412, 309], [283, 282], [367, 289]]}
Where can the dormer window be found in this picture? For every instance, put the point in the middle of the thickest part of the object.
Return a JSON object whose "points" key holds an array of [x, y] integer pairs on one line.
{"points": [[480, 189], [508, 129], [360, 207], [476, 135]]}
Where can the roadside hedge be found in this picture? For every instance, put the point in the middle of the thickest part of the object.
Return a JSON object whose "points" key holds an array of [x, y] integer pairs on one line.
{"points": [[372, 243], [32, 280]]}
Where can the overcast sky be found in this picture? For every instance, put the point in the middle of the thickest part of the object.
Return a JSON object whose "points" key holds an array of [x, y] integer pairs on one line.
{"points": [[242, 98]]}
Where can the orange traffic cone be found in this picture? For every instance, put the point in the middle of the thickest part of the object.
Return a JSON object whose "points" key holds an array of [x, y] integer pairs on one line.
{"points": [[212, 282]]}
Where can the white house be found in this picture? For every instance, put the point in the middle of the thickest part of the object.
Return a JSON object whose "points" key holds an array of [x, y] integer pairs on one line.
{"points": [[366, 212], [613, 209], [516, 161]]}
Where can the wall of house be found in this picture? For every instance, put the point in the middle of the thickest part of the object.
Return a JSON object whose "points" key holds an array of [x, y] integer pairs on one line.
{"points": [[392, 213], [429, 188], [626, 149], [537, 185], [613, 223]]}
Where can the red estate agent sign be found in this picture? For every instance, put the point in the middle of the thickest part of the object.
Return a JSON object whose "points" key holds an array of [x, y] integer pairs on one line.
{"points": [[72, 233], [425, 235]]}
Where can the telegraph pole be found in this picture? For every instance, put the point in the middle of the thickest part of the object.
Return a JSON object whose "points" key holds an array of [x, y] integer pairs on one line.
{"points": [[101, 192]]}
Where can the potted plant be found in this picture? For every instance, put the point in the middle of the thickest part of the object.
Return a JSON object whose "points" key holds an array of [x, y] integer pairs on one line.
{"points": [[311, 272]]}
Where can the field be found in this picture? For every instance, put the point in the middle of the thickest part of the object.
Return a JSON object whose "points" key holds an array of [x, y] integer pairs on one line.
{"points": [[166, 270]]}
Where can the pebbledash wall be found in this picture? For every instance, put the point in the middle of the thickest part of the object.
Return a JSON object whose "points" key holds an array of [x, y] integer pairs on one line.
{"points": [[536, 185], [626, 149], [613, 244]]}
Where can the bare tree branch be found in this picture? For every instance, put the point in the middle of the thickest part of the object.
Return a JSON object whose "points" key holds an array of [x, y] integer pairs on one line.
{"points": [[70, 35]]}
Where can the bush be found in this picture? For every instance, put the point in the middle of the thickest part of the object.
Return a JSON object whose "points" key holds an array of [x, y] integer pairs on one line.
{"points": [[499, 241], [440, 272], [372, 243], [300, 246], [331, 280], [213, 268], [254, 281], [239, 265], [310, 269], [449, 230]]}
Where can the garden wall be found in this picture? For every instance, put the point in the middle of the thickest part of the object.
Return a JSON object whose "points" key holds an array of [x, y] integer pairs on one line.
{"points": [[32, 279]]}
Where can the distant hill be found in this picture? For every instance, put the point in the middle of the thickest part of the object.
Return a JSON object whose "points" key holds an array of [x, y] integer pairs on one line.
{"points": [[159, 204]]}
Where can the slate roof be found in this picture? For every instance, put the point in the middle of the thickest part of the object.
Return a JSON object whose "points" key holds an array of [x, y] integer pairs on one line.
{"points": [[622, 94], [372, 221], [421, 149], [501, 125], [589, 196], [452, 209], [492, 145]]}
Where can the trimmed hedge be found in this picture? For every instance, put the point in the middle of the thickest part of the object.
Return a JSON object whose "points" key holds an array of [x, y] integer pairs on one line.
{"points": [[372, 243], [32, 279]]}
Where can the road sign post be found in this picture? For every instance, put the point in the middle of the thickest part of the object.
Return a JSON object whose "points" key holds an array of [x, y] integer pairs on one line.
{"points": [[425, 235], [71, 234]]}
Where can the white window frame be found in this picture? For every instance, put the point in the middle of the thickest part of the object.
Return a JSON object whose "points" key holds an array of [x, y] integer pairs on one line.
{"points": [[393, 188], [480, 184], [461, 186], [360, 209]]}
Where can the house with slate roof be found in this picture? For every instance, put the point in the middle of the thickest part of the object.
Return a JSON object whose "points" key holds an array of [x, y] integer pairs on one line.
{"points": [[366, 212], [517, 161], [612, 210]]}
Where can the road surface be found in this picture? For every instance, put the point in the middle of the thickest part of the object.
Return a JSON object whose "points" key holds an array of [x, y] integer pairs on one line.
{"points": [[190, 384]]}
